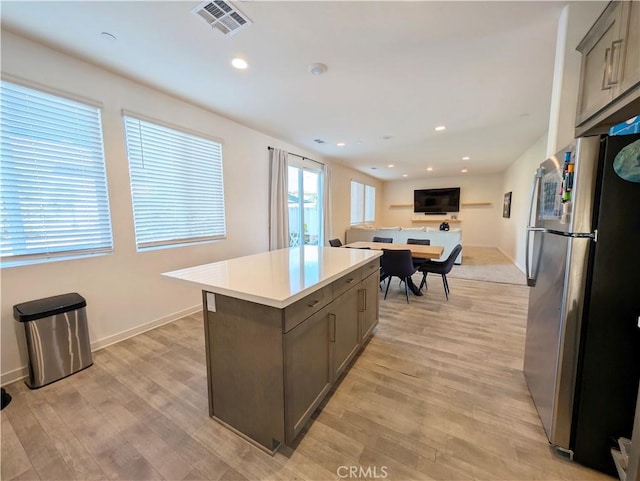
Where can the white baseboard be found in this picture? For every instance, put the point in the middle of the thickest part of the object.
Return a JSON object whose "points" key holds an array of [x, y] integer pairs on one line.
{"points": [[134, 331], [22, 372], [512, 260], [13, 376]]}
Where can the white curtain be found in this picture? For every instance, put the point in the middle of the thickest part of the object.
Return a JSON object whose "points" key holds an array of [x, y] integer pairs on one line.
{"points": [[326, 206], [278, 205]]}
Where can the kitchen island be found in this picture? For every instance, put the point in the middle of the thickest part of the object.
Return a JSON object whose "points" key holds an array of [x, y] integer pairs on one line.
{"points": [[280, 329]]}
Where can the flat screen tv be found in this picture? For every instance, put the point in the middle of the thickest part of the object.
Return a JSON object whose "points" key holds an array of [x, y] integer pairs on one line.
{"points": [[436, 201]]}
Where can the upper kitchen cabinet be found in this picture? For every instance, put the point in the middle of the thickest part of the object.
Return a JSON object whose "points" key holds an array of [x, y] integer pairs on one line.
{"points": [[610, 72]]}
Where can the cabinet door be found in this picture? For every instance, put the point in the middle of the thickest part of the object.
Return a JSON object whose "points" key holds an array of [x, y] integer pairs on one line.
{"points": [[598, 50], [369, 305], [308, 370], [345, 335], [630, 35]]}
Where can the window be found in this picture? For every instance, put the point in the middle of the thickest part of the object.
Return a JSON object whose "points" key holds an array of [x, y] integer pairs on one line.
{"points": [[305, 203], [363, 203], [54, 200], [176, 185]]}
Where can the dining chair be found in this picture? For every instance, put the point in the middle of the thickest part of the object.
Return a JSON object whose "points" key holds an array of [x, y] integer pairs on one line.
{"points": [[397, 263], [335, 242], [439, 267], [417, 261], [386, 240]]}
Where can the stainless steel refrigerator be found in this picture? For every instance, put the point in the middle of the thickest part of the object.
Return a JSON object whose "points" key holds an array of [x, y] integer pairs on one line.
{"points": [[582, 351]]}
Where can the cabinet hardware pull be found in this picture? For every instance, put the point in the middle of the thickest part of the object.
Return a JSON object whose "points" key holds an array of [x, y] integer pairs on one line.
{"points": [[606, 74], [364, 297], [350, 281], [615, 65], [314, 303], [332, 328]]}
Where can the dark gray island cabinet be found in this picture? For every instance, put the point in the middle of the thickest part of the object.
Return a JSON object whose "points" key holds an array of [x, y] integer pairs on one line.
{"points": [[274, 351]]}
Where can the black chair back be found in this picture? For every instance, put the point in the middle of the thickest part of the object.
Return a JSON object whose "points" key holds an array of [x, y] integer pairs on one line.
{"points": [[447, 264], [386, 240], [442, 268], [397, 263], [335, 242], [422, 242]]}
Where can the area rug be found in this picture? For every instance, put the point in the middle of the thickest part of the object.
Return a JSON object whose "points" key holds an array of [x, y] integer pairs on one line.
{"points": [[487, 264]]}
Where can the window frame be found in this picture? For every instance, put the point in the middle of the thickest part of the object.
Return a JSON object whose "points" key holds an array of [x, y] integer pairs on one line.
{"points": [[308, 165], [363, 203], [66, 163], [196, 141]]}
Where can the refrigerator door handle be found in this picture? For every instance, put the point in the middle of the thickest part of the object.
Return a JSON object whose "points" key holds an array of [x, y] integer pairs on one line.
{"points": [[530, 226], [574, 235]]}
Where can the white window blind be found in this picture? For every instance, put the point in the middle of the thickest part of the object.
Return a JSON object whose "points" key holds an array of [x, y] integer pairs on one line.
{"points": [[54, 200], [176, 185], [357, 202], [369, 203]]}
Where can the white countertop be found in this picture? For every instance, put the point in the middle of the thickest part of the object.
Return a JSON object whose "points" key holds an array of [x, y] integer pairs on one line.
{"points": [[276, 278]]}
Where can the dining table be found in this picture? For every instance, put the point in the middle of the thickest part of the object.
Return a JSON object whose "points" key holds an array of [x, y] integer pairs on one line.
{"points": [[417, 250]]}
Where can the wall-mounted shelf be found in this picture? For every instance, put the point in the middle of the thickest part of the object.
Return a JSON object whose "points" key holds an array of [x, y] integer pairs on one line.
{"points": [[464, 204], [441, 219]]}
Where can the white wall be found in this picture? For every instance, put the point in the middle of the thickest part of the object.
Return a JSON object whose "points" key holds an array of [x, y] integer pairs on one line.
{"points": [[341, 178], [573, 24], [125, 292], [480, 224], [518, 179]]}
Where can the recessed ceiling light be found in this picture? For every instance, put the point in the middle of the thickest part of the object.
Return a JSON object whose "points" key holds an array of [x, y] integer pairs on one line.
{"points": [[341, 144], [405, 175], [466, 157], [429, 169], [317, 68], [358, 141], [390, 166], [108, 36], [440, 128], [463, 171], [239, 63]]}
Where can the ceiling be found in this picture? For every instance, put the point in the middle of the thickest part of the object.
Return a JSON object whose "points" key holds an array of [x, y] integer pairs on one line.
{"points": [[396, 70]]}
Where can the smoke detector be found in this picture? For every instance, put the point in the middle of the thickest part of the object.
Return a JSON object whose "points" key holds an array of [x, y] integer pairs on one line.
{"points": [[317, 68], [222, 16]]}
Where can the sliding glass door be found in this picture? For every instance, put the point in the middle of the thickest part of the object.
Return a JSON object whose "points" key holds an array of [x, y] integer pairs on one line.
{"points": [[305, 203]]}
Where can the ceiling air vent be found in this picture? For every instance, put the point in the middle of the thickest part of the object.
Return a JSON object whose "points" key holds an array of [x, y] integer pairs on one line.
{"points": [[223, 16]]}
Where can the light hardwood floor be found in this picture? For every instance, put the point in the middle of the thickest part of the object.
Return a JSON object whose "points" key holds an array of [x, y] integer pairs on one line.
{"points": [[438, 393]]}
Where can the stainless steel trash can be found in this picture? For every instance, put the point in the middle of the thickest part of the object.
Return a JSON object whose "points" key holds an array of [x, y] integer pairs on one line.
{"points": [[57, 337]]}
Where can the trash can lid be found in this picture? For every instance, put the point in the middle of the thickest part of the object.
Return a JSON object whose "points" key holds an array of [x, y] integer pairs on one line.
{"points": [[49, 306]]}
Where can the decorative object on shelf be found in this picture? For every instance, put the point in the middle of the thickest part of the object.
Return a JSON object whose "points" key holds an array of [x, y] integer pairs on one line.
{"points": [[506, 206], [444, 226]]}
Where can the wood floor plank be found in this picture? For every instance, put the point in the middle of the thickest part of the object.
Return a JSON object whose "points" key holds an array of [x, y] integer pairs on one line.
{"points": [[438, 393], [15, 460], [75, 456], [40, 447]]}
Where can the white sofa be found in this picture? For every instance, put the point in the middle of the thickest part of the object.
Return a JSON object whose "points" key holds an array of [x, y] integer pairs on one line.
{"points": [[448, 239]]}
